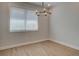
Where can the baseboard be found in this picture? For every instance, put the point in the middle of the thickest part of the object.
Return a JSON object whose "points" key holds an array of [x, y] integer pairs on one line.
{"points": [[21, 44], [26, 43], [65, 44]]}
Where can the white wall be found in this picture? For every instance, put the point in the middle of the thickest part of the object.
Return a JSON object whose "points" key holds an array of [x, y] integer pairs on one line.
{"points": [[9, 38], [64, 24], [0, 25]]}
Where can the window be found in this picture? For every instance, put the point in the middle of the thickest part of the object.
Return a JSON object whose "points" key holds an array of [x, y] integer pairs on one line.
{"points": [[22, 20], [31, 22], [17, 20]]}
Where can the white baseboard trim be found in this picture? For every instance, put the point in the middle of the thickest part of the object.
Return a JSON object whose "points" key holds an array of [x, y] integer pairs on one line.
{"points": [[26, 43], [21, 44], [65, 44]]}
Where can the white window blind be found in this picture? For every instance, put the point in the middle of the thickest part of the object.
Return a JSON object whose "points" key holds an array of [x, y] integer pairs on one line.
{"points": [[22, 20], [31, 21]]}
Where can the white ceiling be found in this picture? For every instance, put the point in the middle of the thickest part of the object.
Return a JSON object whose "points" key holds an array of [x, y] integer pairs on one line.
{"points": [[45, 3], [55, 3]]}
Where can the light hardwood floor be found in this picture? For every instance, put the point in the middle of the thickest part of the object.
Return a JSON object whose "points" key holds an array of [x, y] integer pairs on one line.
{"points": [[46, 48]]}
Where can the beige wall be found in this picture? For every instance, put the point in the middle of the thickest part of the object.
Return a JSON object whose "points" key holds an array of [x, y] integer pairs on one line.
{"points": [[9, 38]]}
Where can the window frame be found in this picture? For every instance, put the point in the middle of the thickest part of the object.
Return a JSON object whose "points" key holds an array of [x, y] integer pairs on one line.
{"points": [[25, 10]]}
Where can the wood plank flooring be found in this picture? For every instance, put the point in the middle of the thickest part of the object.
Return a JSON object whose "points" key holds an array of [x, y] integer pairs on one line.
{"points": [[46, 48]]}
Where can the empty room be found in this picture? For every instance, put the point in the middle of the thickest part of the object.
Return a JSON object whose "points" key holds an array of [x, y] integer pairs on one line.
{"points": [[39, 28]]}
